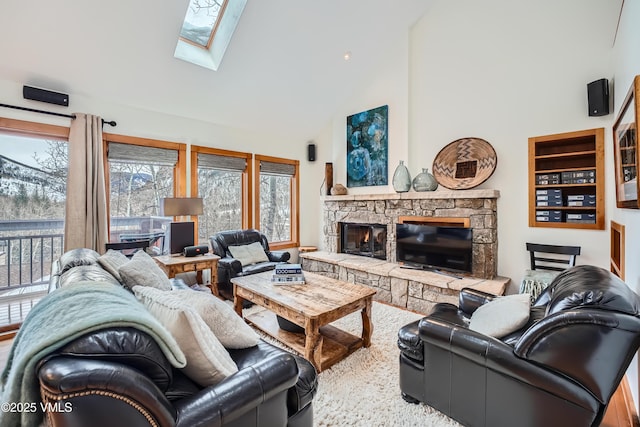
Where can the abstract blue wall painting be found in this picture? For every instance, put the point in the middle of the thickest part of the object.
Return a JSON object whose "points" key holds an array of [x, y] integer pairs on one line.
{"points": [[367, 148]]}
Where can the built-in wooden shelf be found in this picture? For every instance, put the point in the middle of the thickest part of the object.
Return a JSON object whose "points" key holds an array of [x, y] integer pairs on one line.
{"points": [[562, 168]]}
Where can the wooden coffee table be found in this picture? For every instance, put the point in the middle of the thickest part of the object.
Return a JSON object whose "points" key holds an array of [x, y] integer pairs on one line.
{"points": [[320, 301]]}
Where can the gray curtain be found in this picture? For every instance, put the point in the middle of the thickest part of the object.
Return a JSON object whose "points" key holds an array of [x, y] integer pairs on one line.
{"points": [[86, 216]]}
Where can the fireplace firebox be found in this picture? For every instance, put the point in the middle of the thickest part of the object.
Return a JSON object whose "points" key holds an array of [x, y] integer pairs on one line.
{"points": [[364, 239]]}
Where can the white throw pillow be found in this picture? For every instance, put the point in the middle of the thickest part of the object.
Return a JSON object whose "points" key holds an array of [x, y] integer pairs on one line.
{"points": [[208, 362], [142, 270], [224, 322], [501, 316], [249, 254]]}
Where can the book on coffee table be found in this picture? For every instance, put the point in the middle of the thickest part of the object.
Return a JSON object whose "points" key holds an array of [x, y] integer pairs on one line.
{"points": [[288, 269]]}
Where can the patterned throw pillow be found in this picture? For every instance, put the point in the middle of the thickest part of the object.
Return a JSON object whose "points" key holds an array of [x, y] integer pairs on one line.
{"points": [[536, 281]]}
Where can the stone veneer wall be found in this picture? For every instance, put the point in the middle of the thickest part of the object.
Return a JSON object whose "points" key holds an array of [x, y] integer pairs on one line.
{"points": [[480, 206]]}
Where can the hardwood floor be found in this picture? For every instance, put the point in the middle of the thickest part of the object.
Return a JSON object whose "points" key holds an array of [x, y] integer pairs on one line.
{"points": [[616, 416]]}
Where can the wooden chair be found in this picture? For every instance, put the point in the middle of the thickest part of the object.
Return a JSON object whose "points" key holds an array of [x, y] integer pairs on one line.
{"points": [[546, 262], [556, 258]]}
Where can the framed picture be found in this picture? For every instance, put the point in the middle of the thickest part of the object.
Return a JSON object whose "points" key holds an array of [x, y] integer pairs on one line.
{"points": [[625, 143], [367, 148]]}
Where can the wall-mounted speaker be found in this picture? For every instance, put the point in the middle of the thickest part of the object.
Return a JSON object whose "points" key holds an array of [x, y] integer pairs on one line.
{"points": [[598, 96], [311, 152], [44, 95]]}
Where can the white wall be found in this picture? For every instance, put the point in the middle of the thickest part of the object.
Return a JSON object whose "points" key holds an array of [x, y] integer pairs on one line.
{"points": [[389, 86], [626, 66], [148, 124], [505, 71]]}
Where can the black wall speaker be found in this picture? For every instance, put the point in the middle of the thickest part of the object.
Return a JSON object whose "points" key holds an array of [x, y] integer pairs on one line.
{"points": [[43, 95], [195, 250], [311, 152], [598, 95]]}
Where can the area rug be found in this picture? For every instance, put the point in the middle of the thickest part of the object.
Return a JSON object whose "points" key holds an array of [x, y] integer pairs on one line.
{"points": [[363, 390]]}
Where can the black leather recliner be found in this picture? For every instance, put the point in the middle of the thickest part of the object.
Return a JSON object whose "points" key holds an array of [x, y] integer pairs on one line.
{"points": [[229, 267], [560, 369]]}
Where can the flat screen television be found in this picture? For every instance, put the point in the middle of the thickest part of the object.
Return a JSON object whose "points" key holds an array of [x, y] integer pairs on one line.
{"points": [[434, 247]]}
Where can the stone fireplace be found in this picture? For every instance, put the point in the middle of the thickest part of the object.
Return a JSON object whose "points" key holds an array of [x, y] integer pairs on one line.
{"points": [[364, 239], [475, 209]]}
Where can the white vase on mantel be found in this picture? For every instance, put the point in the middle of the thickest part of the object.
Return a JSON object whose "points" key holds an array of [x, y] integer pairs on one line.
{"points": [[401, 178]]}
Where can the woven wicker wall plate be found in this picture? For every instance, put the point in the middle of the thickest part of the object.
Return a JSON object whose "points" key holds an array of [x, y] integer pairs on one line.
{"points": [[465, 163]]}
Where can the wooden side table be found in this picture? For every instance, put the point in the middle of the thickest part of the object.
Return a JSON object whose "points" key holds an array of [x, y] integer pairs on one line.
{"points": [[173, 265]]}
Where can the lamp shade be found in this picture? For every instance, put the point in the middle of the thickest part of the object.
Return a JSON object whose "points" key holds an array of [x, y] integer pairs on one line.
{"points": [[178, 206]]}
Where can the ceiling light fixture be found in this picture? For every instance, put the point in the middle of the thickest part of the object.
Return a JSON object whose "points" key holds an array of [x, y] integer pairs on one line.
{"points": [[347, 55]]}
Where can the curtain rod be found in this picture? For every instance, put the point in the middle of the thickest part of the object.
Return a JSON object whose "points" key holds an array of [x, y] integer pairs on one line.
{"points": [[71, 116]]}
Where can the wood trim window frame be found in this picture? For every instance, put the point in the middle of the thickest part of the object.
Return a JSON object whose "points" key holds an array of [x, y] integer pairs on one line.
{"points": [[179, 171], [294, 240], [30, 129], [247, 179]]}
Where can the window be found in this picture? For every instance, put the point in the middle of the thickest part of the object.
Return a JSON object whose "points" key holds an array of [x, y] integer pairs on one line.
{"points": [[222, 179], [33, 172], [140, 172], [276, 187]]}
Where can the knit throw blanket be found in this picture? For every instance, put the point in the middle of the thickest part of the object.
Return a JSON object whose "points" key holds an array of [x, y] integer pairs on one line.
{"points": [[59, 318]]}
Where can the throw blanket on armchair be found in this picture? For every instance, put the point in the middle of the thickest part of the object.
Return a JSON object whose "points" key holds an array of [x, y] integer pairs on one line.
{"points": [[59, 318]]}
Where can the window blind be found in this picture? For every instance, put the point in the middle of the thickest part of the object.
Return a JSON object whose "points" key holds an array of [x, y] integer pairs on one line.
{"points": [[128, 153], [216, 161], [277, 168]]}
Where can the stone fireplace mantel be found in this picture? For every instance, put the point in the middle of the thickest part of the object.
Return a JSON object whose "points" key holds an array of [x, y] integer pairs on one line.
{"points": [[415, 195], [478, 205]]}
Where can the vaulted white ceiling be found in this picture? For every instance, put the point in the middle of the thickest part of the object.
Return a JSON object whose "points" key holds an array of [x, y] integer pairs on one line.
{"points": [[284, 68]]}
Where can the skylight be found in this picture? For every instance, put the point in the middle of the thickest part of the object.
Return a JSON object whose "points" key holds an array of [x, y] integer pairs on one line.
{"points": [[201, 21], [206, 31]]}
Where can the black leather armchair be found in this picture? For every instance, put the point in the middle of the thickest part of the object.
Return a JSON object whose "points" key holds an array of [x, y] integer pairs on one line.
{"points": [[229, 267], [560, 369]]}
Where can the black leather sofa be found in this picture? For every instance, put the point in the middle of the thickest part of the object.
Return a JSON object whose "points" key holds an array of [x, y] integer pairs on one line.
{"points": [[119, 376], [560, 369], [229, 267]]}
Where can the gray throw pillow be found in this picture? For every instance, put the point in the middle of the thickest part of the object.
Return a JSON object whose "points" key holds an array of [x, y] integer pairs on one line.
{"points": [[112, 261], [142, 270], [224, 322]]}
